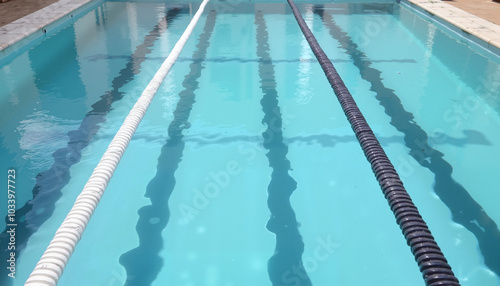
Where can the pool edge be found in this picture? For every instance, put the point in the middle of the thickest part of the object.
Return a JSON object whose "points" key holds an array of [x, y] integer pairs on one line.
{"points": [[480, 31], [28, 28]]}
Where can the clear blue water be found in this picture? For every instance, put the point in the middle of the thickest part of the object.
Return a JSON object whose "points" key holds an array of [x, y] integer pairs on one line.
{"points": [[245, 167]]}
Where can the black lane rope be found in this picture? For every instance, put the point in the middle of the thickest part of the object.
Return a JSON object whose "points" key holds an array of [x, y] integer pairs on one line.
{"points": [[431, 261], [49, 183], [465, 210], [285, 267], [143, 263]]}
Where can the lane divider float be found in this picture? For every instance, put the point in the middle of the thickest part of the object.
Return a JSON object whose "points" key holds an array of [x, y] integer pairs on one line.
{"points": [[431, 261], [52, 263]]}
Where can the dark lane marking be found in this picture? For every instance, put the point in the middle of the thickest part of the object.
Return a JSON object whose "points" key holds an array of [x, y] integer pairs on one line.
{"points": [[285, 267], [143, 263]]}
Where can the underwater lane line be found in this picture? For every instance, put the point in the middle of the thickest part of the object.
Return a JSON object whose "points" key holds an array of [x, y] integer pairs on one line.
{"points": [[143, 263], [285, 267]]}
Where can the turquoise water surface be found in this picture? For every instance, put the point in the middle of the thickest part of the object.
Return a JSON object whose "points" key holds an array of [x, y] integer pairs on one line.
{"points": [[244, 170]]}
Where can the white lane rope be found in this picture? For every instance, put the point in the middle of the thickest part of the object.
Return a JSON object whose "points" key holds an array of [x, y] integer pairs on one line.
{"points": [[52, 263]]}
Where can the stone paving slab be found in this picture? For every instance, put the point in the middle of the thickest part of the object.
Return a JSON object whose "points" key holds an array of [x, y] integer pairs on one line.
{"points": [[485, 9]]}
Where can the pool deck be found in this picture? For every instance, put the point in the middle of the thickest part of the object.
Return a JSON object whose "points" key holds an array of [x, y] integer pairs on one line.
{"points": [[24, 19]]}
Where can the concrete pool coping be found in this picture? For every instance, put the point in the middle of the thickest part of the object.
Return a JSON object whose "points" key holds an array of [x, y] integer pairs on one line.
{"points": [[474, 28], [36, 24], [23, 30]]}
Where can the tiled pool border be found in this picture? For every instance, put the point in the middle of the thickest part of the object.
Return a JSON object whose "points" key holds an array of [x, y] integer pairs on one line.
{"points": [[38, 24], [482, 32]]}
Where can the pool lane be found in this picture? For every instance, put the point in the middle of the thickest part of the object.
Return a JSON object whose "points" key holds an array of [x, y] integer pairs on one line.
{"points": [[287, 258], [465, 210], [50, 183], [143, 263]]}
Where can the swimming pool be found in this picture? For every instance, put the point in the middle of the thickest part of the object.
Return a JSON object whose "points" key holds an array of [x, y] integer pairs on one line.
{"points": [[190, 203]]}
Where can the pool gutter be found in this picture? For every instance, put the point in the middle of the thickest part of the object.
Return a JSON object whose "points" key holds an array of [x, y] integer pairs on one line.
{"points": [[482, 32]]}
